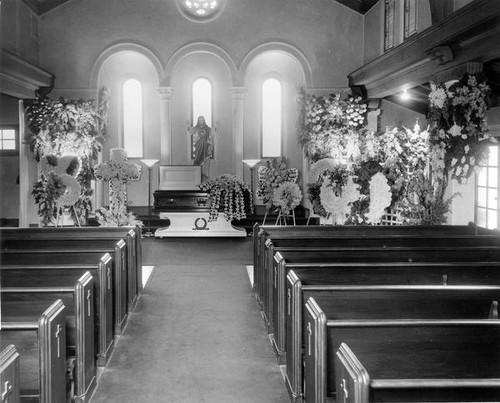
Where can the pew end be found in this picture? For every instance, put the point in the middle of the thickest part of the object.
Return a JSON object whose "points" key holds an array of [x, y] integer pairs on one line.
{"points": [[47, 381], [351, 378], [354, 384], [9, 374]]}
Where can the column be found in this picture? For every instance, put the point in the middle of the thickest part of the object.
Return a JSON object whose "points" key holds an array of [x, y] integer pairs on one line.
{"points": [[238, 97], [373, 114], [165, 125]]}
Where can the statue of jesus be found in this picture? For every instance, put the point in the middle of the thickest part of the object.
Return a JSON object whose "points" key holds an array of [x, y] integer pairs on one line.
{"points": [[202, 137]]}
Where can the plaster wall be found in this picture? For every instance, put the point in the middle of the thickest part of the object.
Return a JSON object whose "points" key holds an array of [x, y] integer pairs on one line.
{"points": [[73, 35]]}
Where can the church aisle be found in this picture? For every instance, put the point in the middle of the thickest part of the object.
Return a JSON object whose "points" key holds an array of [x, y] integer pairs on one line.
{"points": [[196, 334]]}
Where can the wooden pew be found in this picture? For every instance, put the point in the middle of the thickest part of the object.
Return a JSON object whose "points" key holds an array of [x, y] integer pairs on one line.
{"points": [[116, 247], [131, 235], [9, 375], [422, 339], [342, 301], [275, 310], [319, 283], [52, 270], [446, 363], [78, 299], [368, 242], [349, 242], [69, 257], [262, 233], [39, 334]]}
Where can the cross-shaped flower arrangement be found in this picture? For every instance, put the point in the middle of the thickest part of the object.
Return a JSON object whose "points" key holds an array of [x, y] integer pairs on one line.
{"points": [[118, 170]]}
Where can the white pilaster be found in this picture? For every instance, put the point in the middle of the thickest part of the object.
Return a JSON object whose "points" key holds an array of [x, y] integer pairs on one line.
{"points": [[165, 125], [238, 98]]}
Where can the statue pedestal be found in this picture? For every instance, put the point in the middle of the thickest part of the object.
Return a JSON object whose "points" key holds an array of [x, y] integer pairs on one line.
{"points": [[196, 224]]}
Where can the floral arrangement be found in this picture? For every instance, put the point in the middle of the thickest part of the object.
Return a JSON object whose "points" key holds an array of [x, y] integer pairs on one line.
{"points": [[337, 198], [107, 218], [118, 167], [271, 176], [118, 170], [380, 198], [67, 127], [58, 187], [287, 196], [326, 180], [330, 126], [458, 128], [387, 170], [228, 193]]}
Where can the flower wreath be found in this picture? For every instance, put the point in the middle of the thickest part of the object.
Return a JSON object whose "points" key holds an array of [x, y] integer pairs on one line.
{"points": [[287, 196], [271, 176]]}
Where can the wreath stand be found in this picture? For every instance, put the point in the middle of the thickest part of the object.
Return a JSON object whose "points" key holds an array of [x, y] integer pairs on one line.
{"points": [[282, 218], [60, 216]]}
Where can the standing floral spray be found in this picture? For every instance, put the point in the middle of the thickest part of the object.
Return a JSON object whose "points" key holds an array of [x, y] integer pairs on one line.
{"points": [[57, 188], [287, 196], [271, 176], [67, 127], [330, 126], [228, 193], [458, 127]]}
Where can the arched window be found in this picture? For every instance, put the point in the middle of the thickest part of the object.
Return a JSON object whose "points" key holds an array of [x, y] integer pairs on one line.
{"points": [[271, 118], [202, 100], [132, 118]]}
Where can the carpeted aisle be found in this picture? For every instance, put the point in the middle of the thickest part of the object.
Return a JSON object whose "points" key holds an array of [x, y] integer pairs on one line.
{"points": [[196, 334]]}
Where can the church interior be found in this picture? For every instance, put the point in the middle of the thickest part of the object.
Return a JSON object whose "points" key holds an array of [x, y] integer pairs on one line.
{"points": [[178, 99]]}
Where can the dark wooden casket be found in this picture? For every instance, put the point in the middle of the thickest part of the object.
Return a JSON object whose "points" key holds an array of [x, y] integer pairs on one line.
{"points": [[181, 200]]}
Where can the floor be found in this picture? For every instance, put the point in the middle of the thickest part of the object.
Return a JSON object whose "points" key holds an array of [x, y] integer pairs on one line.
{"points": [[196, 334]]}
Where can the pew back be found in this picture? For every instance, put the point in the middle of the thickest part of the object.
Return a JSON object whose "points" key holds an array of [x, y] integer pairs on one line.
{"points": [[117, 248], [78, 300], [274, 311], [368, 293], [263, 233], [69, 257], [86, 233], [451, 364], [51, 274], [41, 341], [423, 345]]}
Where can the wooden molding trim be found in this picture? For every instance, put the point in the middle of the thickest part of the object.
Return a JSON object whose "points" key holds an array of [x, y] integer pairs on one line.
{"points": [[21, 79]]}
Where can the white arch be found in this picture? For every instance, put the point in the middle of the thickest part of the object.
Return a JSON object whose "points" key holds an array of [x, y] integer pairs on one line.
{"points": [[200, 47], [121, 47], [279, 47]]}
